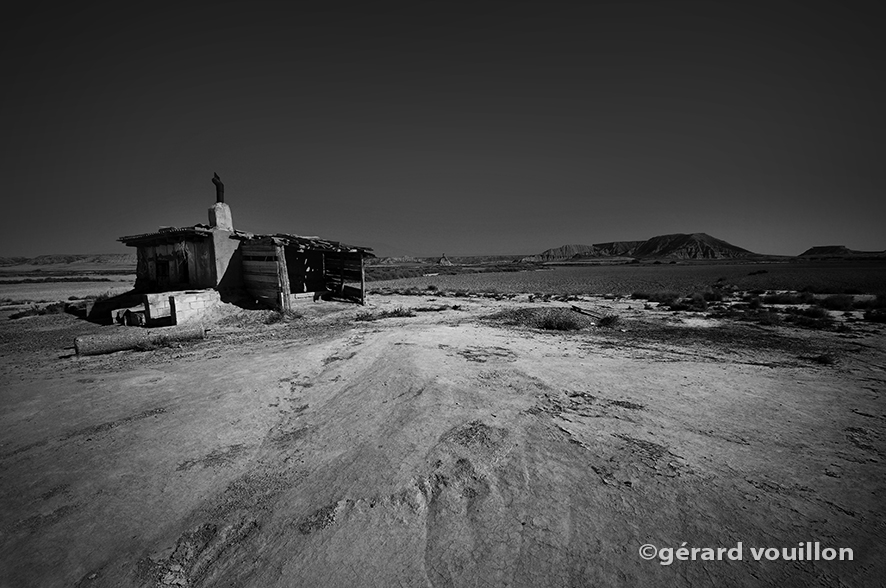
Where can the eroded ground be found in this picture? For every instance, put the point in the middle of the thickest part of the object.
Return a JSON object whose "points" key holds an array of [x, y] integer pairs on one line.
{"points": [[441, 450]]}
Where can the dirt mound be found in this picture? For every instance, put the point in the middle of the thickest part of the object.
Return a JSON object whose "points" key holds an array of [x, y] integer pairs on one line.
{"points": [[549, 319], [439, 450]]}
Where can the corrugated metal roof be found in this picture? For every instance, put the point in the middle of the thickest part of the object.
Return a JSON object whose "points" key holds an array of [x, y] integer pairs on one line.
{"points": [[195, 231], [305, 243], [300, 241]]}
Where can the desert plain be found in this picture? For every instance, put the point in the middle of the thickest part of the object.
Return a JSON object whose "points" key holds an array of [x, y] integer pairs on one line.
{"points": [[433, 440]]}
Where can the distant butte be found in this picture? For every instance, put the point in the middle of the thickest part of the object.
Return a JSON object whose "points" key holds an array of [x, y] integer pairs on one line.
{"points": [[839, 251], [676, 246]]}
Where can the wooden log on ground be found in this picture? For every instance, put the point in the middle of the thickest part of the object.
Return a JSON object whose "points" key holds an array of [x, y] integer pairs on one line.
{"points": [[133, 338], [587, 312]]}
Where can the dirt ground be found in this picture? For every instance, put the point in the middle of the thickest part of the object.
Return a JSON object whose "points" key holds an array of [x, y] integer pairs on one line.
{"points": [[442, 449]]}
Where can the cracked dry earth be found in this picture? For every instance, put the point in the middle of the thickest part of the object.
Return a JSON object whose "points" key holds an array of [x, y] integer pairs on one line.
{"points": [[439, 450]]}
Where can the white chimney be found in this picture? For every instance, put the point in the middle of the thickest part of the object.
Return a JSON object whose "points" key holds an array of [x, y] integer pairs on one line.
{"points": [[220, 217], [220, 213]]}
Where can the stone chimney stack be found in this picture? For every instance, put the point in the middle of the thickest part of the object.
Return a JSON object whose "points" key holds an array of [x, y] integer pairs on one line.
{"points": [[220, 213]]}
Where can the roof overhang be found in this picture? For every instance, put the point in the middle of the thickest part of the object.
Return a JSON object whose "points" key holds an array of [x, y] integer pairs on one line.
{"points": [[168, 235], [302, 243]]}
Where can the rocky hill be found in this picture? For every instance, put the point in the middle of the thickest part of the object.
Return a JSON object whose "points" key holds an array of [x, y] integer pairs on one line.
{"points": [[618, 248], [694, 246], [100, 258], [566, 252], [676, 246], [838, 251]]}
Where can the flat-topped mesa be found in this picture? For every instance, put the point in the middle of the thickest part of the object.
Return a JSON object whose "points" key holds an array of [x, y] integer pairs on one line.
{"points": [[220, 213]]}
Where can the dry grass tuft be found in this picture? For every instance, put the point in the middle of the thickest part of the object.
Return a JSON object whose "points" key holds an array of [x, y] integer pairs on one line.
{"points": [[400, 311], [548, 319]]}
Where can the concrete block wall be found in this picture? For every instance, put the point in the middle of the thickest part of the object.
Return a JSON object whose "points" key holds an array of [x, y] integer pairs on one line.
{"points": [[192, 305], [157, 306]]}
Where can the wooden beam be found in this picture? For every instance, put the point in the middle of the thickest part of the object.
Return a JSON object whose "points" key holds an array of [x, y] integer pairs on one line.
{"points": [[362, 283], [283, 276], [586, 312], [261, 279], [260, 266], [341, 276]]}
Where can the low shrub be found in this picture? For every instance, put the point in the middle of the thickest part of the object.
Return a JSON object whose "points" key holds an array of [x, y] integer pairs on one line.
{"points": [[153, 345], [281, 316], [609, 321], [34, 310], [753, 302], [549, 319], [837, 302], [813, 317], [561, 321], [810, 323], [789, 298], [399, 311], [743, 313], [814, 312], [663, 297], [878, 302], [817, 289], [767, 318]]}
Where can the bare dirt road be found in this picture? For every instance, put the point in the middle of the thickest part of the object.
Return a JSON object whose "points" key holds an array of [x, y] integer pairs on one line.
{"points": [[442, 450]]}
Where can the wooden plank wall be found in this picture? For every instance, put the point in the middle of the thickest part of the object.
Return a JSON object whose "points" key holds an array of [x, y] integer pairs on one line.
{"points": [[341, 268], [262, 273]]}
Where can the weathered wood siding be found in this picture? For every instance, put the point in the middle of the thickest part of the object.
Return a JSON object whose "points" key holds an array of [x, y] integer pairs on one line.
{"points": [[187, 264], [264, 273], [343, 268]]}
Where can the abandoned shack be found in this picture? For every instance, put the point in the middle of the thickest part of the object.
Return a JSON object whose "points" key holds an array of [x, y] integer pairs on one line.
{"points": [[281, 269], [277, 270]]}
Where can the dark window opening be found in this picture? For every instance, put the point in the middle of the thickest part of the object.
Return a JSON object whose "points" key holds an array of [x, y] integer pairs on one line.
{"points": [[306, 271]]}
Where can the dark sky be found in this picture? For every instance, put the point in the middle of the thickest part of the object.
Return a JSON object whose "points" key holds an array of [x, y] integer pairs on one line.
{"points": [[462, 128]]}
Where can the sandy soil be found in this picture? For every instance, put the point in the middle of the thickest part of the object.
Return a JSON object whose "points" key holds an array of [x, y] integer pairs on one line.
{"points": [[441, 450], [53, 291]]}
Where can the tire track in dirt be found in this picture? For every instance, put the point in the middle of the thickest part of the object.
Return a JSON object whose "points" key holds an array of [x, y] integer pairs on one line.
{"points": [[433, 456]]}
